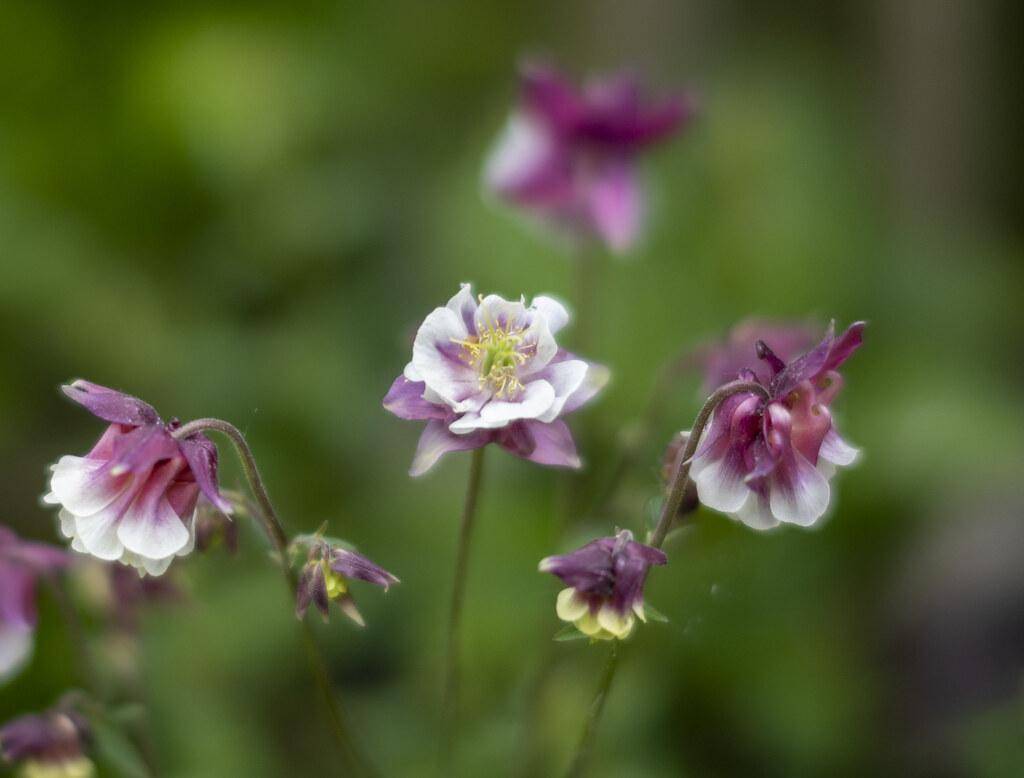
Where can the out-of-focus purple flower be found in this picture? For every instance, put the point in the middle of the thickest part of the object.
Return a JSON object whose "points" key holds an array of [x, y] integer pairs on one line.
{"points": [[52, 743], [605, 578], [326, 573], [21, 565], [490, 371], [214, 527], [133, 497], [722, 361], [130, 594], [769, 462], [569, 155]]}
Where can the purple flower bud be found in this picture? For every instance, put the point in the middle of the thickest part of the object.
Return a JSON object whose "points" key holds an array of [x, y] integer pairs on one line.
{"points": [[133, 497], [490, 371], [605, 585], [326, 573], [52, 742], [766, 462], [214, 527], [568, 155], [21, 565]]}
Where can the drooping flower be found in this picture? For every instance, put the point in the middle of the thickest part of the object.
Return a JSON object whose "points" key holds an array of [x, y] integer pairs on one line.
{"points": [[133, 497], [490, 371], [22, 564], [48, 745], [722, 361], [569, 155], [325, 576], [605, 578], [767, 462]]}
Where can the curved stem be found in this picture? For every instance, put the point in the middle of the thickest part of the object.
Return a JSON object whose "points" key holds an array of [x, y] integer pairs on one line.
{"points": [[579, 761], [279, 540], [677, 486], [451, 689]]}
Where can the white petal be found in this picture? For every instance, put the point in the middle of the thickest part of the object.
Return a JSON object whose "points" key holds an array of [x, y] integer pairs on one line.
{"points": [[566, 378], [150, 531], [803, 498], [79, 485], [619, 624], [553, 311], [463, 304], [495, 312], [435, 357], [411, 373], [569, 606], [536, 398], [756, 514], [98, 534], [836, 450], [719, 484], [523, 146], [15, 649]]}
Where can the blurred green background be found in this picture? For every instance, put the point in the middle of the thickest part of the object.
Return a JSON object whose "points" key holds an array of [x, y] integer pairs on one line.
{"points": [[245, 209]]}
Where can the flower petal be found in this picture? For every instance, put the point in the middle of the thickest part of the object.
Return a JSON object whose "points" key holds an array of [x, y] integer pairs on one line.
{"points": [[565, 377], [436, 357], [436, 441], [150, 527], [464, 305], [720, 483], [201, 455], [569, 605], [552, 310], [84, 486], [15, 649], [111, 405], [536, 398], [798, 492], [615, 205], [836, 450], [353, 565], [405, 400], [553, 444], [756, 513]]}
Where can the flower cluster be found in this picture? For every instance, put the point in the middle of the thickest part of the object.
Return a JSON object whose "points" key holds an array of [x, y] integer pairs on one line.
{"points": [[569, 155], [325, 576], [133, 497], [22, 564], [489, 371], [768, 459], [605, 582]]}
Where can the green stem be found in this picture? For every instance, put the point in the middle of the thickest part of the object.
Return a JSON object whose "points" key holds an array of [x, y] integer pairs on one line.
{"points": [[450, 707], [579, 761], [356, 764]]}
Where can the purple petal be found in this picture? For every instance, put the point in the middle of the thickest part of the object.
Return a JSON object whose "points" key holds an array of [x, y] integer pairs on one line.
{"points": [[111, 405], [201, 454], [549, 444], [806, 366], [551, 96], [798, 493], [17, 596], [140, 449], [844, 346], [615, 205], [353, 565], [405, 400], [588, 569], [437, 440]]}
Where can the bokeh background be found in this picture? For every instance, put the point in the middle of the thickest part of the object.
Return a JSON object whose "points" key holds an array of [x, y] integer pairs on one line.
{"points": [[244, 210]]}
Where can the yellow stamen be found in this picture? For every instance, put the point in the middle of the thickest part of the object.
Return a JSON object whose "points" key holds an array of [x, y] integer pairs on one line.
{"points": [[497, 353]]}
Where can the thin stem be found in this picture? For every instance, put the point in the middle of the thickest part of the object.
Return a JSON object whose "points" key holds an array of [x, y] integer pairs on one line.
{"points": [[452, 675], [579, 762], [279, 540], [677, 486]]}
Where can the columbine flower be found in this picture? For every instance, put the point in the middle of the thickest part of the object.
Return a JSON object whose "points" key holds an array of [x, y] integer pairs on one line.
{"points": [[605, 578], [766, 462], [722, 362], [48, 745], [133, 497], [326, 573], [491, 372], [569, 155], [21, 565]]}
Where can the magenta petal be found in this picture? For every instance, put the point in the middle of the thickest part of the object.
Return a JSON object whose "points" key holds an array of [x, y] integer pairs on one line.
{"points": [[17, 596], [405, 400], [201, 455], [615, 205], [141, 448], [111, 405], [845, 345], [548, 94]]}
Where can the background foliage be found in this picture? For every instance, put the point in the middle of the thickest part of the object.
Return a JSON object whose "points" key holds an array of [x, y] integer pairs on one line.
{"points": [[243, 210]]}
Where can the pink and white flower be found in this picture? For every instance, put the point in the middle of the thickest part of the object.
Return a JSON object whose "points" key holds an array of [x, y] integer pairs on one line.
{"points": [[489, 371], [133, 497], [569, 155], [766, 462]]}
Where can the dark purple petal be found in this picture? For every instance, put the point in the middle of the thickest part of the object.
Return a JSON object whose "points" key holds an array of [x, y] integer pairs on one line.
{"points": [[804, 367], [201, 455], [353, 565], [648, 554], [55, 736], [616, 115], [844, 346], [548, 94], [141, 448], [405, 400], [111, 405], [723, 420], [304, 589], [546, 444], [588, 569]]}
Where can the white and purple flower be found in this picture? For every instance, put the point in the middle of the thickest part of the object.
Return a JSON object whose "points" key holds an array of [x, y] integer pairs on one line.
{"points": [[489, 371], [133, 497], [326, 574], [766, 462], [22, 564], [605, 578], [52, 743], [569, 155]]}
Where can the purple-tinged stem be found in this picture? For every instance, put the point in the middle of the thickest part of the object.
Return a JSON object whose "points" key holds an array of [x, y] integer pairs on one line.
{"points": [[356, 763]]}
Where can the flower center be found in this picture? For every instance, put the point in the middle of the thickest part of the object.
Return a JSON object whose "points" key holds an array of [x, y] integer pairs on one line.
{"points": [[496, 353], [336, 583]]}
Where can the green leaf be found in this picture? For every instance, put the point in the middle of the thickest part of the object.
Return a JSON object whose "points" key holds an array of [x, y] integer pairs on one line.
{"points": [[653, 614], [117, 751]]}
